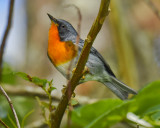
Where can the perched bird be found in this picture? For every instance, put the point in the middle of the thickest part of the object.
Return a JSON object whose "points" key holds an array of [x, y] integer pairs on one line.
{"points": [[62, 51]]}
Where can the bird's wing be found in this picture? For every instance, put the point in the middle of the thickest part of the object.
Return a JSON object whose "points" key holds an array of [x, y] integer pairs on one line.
{"points": [[107, 67], [96, 53]]}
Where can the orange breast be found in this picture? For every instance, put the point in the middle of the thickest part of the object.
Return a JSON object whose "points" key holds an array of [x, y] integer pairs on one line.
{"points": [[59, 52]]}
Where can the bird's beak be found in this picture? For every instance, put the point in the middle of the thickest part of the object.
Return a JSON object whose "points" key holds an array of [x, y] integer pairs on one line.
{"points": [[54, 20]]}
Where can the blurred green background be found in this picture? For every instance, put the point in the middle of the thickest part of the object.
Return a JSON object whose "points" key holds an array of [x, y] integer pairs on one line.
{"points": [[129, 41]]}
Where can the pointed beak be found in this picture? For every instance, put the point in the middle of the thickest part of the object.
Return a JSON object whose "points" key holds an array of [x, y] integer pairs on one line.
{"points": [[54, 20]]}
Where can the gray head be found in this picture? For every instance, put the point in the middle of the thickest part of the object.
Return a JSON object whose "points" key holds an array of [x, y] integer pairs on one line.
{"points": [[66, 30]]}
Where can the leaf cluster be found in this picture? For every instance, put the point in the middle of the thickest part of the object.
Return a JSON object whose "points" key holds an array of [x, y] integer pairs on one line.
{"points": [[105, 113]]}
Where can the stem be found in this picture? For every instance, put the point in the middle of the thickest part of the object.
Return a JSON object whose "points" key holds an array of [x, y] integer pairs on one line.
{"points": [[12, 91], [11, 106], [3, 124], [6, 35], [103, 12], [70, 66], [121, 34], [154, 8], [50, 107], [69, 116]]}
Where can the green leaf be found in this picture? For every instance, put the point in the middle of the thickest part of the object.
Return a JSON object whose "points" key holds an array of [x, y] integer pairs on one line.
{"points": [[110, 117], [74, 102], [12, 122], [92, 114], [24, 76], [152, 110], [52, 88], [45, 104], [147, 98], [25, 117], [38, 81], [156, 116], [146, 104], [35, 80], [106, 113], [8, 75]]}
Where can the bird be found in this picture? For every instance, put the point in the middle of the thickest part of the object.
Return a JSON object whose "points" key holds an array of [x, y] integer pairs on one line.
{"points": [[63, 54]]}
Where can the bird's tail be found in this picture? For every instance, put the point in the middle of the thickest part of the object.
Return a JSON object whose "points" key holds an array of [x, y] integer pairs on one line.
{"points": [[119, 88]]}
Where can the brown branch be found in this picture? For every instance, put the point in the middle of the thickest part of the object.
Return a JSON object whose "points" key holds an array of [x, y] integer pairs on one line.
{"points": [[79, 22], [103, 12], [71, 63], [11, 106], [6, 34], [32, 92], [12, 91], [153, 7], [78, 37], [3, 124]]}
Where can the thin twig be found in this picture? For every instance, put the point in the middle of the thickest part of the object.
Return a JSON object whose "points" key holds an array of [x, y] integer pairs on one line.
{"points": [[3, 124], [29, 93], [70, 108], [32, 93], [11, 106], [78, 36], [71, 63], [153, 7], [103, 12], [6, 34], [79, 22]]}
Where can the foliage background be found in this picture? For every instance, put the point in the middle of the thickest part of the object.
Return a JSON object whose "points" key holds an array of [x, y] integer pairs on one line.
{"points": [[129, 41]]}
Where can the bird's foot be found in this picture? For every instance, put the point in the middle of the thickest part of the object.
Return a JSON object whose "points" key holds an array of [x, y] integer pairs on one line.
{"points": [[73, 70], [63, 89], [85, 71], [73, 95]]}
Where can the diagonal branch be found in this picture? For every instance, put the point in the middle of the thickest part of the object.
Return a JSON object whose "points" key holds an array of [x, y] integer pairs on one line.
{"points": [[16, 91], [153, 7], [11, 106], [69, 69], [3, 124], [6, 34], [103, 12]]}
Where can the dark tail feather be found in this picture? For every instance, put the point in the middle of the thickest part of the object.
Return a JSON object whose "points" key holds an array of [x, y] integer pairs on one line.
{"points": [[119, 88]]}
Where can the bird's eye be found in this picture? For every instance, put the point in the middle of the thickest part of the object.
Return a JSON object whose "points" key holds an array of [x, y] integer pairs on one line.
{"points": [[63, 26]]}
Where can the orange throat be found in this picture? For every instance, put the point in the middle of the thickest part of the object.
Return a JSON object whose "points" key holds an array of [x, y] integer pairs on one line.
{"points": [[59, 52]]}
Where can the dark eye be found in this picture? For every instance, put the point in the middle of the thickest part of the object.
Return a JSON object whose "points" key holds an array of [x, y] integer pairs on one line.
{"points": [[63, 26]]}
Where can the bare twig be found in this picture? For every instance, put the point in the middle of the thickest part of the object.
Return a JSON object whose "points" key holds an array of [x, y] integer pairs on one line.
{"points": [[6, 35], [103, 12], [70, 108], [3, 124], [71, 63], [32, 93], [11, 106], [153, 7], [28, 93], [79, 22], [78, 36]]}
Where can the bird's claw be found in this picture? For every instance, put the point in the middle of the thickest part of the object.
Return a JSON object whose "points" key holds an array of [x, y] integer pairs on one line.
{"points": [[63, 89], [85, 71], [73, 95], [73, 70]]}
